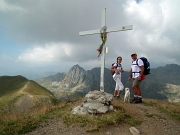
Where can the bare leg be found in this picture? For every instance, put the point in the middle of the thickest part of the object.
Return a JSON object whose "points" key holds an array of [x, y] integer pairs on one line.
{"points": [[119, 93], [115, 91], [139, 90], [135, 89]]}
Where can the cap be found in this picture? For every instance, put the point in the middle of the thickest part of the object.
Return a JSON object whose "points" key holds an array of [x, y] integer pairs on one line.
{"points": [[133, 53]]}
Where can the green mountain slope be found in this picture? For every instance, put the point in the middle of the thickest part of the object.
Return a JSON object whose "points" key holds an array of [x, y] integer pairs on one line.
{"points": [[17, 92], [9, 84]]}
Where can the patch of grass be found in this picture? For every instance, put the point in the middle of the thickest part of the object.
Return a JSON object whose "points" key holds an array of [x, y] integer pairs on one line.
{"points": [[171, 109], [9, 99], [16, 123], [34, 88], [159, 116], [148, 103], [18, 126], [151, 115], [172, 113]]}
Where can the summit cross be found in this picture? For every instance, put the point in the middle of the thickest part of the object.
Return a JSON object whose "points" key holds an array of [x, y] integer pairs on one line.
{"points": [[103, 31]]}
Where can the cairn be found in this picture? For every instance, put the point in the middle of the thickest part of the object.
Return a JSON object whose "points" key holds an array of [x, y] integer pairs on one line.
{"points": [[95, 102]]}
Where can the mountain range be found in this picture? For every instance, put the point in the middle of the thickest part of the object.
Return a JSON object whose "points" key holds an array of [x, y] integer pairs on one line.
{"points": [[163, 83]]}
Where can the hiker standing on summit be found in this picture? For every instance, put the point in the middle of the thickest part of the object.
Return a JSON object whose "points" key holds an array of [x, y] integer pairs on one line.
{"points": [[136, 73], [117, 70]]}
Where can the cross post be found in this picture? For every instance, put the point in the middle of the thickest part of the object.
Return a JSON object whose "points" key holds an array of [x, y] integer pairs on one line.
{"points": [[103, 31]]}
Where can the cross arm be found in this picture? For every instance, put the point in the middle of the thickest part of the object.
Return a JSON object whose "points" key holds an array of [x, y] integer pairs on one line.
{"points": [[90, 32], [121, 28]]}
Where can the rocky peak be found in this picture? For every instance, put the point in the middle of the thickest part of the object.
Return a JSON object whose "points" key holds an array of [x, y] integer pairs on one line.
{"points": [[75, 76], [76, 68]]}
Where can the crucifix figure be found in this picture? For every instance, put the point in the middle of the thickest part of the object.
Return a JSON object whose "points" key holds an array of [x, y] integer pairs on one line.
{"points": [[103, 33]]}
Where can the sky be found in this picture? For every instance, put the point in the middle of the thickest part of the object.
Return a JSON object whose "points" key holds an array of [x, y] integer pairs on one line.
{"points": [[41, 37]]}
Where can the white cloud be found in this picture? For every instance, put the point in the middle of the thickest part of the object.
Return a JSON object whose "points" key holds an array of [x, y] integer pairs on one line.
{"points": [[59, 52], [7, 7], [155, 29], [52, 52]]}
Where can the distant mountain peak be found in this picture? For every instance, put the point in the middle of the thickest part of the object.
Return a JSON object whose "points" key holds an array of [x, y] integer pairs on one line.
{"points": [[172, 65], [77, 67]]}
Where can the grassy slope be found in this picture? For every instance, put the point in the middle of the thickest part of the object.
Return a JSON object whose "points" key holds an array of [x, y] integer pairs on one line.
{"points": [[36, 89], [9, 84], [20, 124], [10, 87]]}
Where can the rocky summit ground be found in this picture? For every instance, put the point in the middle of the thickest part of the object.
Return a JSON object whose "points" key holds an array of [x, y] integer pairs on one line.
{"points": [[154, 122]]}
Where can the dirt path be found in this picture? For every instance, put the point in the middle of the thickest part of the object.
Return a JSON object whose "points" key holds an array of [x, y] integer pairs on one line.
{"points": [[25, 102], [22, 90], [154, 122]]}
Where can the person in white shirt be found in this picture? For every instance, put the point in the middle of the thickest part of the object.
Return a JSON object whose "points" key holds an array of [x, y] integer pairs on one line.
{"points": [[136, 73], [117, 67]]}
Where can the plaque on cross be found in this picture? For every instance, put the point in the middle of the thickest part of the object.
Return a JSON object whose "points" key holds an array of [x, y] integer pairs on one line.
{"points": [[103, 31]]}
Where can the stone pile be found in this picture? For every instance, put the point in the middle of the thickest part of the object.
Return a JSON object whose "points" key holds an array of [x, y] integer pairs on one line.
{"points": [[95, 102]]}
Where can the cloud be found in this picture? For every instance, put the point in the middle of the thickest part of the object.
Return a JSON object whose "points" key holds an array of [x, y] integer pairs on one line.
{"points": [[56, 21], [8, 7], [57, 52], [150, 20], [50, 53], [154, 30], [48, 30]]}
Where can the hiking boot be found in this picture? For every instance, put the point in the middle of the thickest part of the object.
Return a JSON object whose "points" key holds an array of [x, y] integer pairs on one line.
{"points": [[138, 101], [132, 101]]}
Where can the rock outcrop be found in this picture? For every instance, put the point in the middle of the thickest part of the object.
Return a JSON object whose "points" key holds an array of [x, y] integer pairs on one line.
{"points": [[95, 102]]}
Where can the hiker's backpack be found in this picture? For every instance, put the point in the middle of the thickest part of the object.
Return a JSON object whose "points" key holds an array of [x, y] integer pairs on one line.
{"points": [[146, 65], [112, 72]]}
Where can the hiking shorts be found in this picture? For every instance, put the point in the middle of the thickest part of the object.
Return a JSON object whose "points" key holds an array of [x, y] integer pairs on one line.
{"points": [[136, 81]]}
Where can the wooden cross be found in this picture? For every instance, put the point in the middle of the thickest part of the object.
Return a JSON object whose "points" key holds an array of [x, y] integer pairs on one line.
{"points": [[103, 31]]}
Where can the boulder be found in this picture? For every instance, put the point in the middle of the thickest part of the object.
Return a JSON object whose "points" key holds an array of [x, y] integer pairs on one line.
{"points": [[102, 97], [95, 102]]}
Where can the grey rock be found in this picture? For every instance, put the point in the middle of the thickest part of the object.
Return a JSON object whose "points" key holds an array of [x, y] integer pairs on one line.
{"points": [[79, 110], [95, 102], [134, 131], [102, 97], [94, 106]]}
